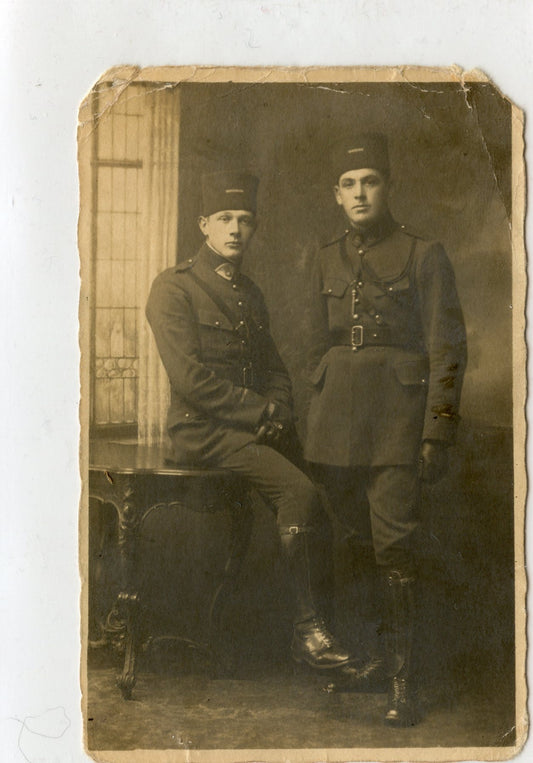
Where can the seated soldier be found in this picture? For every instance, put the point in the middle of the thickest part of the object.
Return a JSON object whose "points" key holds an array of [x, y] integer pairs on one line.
{"points": [[231, 394]]}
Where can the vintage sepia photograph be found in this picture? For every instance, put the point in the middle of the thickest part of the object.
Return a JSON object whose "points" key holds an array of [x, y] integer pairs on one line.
{"points": [[303, 430]]}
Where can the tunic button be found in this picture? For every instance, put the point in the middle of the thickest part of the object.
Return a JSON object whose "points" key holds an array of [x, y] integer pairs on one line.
{"points": [[187, 415], [190, 259], [357, 300], [390, 288], [423, 381], [375, 336], [260, 327], [241, 323], [330, 291], [240, 303], [234, 285], [243, 341], [359, 283], [217, 323], [356, 316], [360, 251]]}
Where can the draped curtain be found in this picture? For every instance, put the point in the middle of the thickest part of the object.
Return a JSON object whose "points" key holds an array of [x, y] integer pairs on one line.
{"points": [[159, 210]]}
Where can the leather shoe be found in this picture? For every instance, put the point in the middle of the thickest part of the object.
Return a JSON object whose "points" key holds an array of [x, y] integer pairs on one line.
{"points": [[314, 644]]}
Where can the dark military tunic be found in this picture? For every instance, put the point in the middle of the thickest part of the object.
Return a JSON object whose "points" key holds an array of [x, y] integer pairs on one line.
{"points": [[223, 365], [224, 369], [388, 350]]}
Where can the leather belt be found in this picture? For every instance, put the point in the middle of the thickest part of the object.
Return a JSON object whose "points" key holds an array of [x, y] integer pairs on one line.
{"points": [[364, 336]]}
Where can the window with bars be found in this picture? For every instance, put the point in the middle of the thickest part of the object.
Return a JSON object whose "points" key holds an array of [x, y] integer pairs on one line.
{"points": [[117, 167]]}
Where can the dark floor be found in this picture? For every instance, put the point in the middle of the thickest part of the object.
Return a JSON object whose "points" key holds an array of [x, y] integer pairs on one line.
{"points": [[465, 632], [282, 709]]}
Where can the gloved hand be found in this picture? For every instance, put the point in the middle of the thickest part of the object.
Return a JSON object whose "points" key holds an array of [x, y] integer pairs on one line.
{"points": [[433, 461], [282, 413], [274, 424]]}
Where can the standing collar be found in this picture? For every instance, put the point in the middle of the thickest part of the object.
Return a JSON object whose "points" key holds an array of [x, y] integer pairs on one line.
{"points": [[220, 265], [370, 236]]}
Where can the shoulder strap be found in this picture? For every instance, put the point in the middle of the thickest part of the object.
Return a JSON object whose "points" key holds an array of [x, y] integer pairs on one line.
{"points": [[213, 296], [335, 240]]}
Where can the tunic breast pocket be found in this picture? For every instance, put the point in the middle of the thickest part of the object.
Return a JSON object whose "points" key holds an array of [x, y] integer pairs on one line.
{"points": [[209, 319], [396, 291], [217, 335]]}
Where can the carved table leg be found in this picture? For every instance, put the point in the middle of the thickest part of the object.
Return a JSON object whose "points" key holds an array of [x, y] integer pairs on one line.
{"points": [[128, 607], [129, 517]]}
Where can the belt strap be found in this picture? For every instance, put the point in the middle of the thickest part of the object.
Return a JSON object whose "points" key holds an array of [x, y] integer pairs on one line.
{"points": [[214, 297], [296, 530], [363, 336]]}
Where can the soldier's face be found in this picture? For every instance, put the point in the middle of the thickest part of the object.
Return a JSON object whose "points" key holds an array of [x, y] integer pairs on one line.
{"points": [[363, 194], [228, 232]]}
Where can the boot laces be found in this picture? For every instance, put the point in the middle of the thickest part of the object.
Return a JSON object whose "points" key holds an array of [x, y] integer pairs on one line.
{"points": [[399, 690], [322, 629]]}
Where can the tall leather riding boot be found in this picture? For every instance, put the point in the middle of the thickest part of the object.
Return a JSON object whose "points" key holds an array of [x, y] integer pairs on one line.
{"points": [[312, 642], [368, 597], [401, 710], [325, 569], [371, 672]]}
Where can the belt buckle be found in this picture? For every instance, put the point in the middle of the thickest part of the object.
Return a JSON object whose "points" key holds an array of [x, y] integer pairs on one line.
{"points": [[357, 337]]}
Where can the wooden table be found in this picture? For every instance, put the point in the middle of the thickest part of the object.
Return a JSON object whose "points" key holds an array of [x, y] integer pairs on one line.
{"points": [[138, 480]]}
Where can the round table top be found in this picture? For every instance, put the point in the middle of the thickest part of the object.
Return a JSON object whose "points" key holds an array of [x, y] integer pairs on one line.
{"points": [[129, 457]]}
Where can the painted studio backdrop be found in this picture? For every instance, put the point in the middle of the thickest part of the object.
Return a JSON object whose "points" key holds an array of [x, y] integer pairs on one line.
{"points": [[450, 150]]}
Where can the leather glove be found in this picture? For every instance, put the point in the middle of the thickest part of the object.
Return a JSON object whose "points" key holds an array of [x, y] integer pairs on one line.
{"points": [[433, 461], [273, 424]]}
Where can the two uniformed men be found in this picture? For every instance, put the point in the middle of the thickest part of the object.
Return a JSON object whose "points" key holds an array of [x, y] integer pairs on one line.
{"points": [[387, 349], [387, 357], [231, 401]]}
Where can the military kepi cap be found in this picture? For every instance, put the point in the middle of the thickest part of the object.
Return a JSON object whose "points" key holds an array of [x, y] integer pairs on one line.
{"points": [[228, 190], [361, 151]]}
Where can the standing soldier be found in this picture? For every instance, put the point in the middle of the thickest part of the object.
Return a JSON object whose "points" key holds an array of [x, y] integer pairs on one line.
{"points": [[387, 358], [231, 394]]}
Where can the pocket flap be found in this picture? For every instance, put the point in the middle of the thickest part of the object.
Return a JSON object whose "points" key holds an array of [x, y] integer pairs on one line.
{"points": [[412, 371], [335, 287], [402, 284], [392, 288], [214, 320]]}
